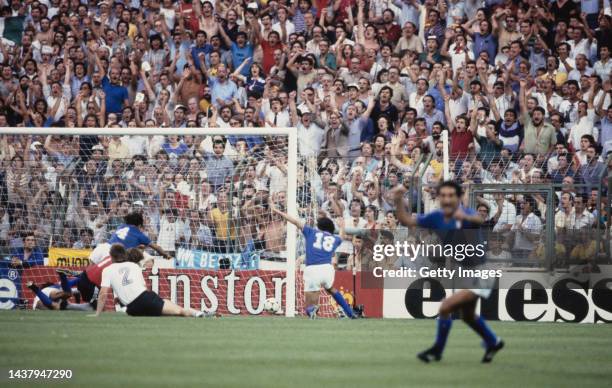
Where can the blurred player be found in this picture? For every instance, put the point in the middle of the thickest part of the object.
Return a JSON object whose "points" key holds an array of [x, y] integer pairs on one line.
{"points": [[321, 243], [125, 279], [129, 235], [88, 282], [451, 216], [52, 297]]}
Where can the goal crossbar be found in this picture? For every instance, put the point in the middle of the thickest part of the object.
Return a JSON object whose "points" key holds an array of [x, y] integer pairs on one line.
{"points": [[149, 131]]}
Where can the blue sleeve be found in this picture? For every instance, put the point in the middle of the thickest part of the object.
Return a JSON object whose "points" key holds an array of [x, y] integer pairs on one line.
{"points": [[105, 81], [426, 220], [308, 232], [143, 238], [470, 212]]}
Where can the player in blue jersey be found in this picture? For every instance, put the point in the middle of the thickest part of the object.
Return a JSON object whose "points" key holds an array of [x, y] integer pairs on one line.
{"points": [[451, 216], [321, 244], [129, 235]]}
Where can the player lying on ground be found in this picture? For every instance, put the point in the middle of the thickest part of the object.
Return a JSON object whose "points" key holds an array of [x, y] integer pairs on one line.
{"points": [[52, 297], [88, 282], [451, 216], [126, 281], [321, 243], [129, 235]]}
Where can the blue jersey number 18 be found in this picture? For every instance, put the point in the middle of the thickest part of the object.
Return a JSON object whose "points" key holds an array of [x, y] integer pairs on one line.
{"points": [[324, 242]]}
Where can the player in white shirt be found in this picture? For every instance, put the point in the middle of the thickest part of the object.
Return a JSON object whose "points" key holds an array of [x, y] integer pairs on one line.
{"points": [[126, 280]]}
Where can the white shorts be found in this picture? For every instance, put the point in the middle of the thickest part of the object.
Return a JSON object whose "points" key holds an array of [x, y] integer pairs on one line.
{"points": [[318, 276], [47, 291], [100, 252], [483, 287]]}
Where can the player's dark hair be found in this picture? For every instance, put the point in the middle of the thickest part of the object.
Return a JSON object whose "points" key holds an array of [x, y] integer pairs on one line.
{"points": [[118, 253], [326, 225], [134, 255], [453, 185], [135, 219]]}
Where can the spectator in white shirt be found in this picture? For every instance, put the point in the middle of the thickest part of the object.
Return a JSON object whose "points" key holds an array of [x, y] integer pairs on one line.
{"points": [[603, 67], [581, 218], [167, 231], [585, 125], [527, 228], [284, 27]]}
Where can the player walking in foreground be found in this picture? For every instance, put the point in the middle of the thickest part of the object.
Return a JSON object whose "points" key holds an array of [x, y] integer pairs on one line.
{"points": [[321, 243], [126, 280], [451, 216]]}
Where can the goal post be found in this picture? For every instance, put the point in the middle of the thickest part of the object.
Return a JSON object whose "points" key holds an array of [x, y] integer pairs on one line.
{"points": [[290, 154]]}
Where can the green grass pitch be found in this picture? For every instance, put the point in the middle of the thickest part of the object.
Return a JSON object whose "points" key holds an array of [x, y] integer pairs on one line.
{"points": [[119, 351]]}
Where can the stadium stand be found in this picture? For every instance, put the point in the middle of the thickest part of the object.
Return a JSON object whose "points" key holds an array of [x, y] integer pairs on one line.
{"points": [[522, 87]]}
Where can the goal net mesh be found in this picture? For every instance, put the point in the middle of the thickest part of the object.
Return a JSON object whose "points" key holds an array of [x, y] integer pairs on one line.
{"points": [[205, 199]]}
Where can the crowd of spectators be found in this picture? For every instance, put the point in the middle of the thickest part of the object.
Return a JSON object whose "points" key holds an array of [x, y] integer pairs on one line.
{"points": [[522, 87]]}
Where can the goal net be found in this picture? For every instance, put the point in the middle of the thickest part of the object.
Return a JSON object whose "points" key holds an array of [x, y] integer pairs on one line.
{"points": [[205, 195]]}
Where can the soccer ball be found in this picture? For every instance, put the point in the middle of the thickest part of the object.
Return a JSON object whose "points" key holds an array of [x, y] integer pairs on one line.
{"points": [[271, 306]]}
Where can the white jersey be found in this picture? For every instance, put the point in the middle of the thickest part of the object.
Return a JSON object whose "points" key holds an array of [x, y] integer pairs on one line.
{"points": [[125, 279]]}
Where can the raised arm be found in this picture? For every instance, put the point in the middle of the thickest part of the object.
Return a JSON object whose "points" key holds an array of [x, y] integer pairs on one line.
{"points": [[474, 116], [447, 114], [522, 97], [371, 103], [295, 221], [292, 108], [403, 216], [226, 39], [493, 106]]}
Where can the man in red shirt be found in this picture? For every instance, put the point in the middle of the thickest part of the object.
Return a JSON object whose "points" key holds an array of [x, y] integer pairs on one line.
{"points": [[268, 47], [189, 16], [461, 134], [394, 32]]}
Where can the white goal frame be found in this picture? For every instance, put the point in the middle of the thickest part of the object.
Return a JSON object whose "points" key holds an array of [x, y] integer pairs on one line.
{"points": [[292, 161]]}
